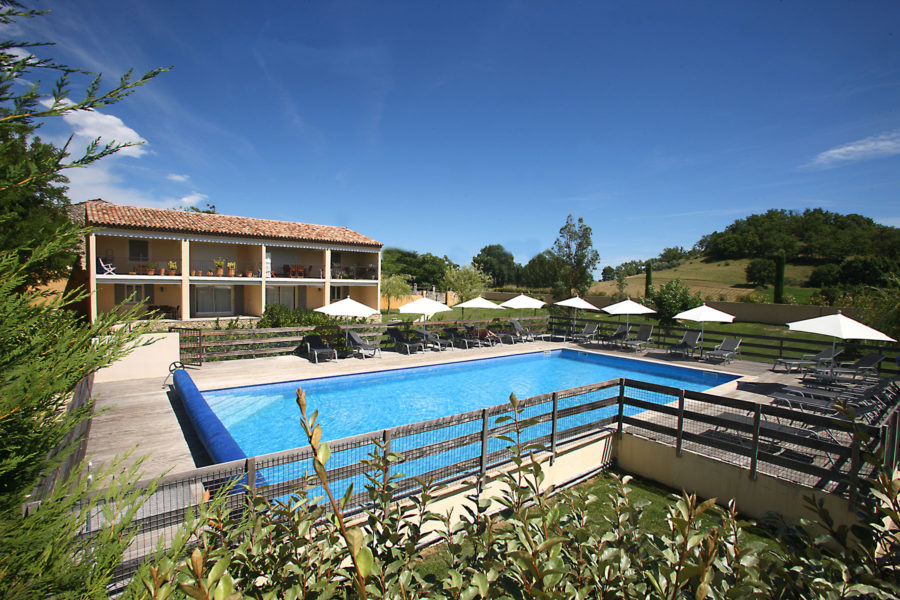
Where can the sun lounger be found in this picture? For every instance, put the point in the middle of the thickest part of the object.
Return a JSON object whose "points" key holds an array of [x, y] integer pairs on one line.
{"points": [[316, 347], [825, 357], [864, 367], [459, 340], [726, 351], [617, 337], [640, 342], [433, 340], [362, 347], [688, 344], [528, 333], [587, 335], [484, 335], [402, 342]]}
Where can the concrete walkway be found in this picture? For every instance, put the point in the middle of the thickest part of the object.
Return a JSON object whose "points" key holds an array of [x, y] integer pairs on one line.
{"points": [[143, 416]]}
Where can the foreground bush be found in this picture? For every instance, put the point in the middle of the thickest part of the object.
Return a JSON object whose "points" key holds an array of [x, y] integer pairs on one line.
{"points": [[531, 548]]}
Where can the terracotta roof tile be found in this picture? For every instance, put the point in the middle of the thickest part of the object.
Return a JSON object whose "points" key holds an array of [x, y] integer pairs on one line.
{"points": [[102, 213]]}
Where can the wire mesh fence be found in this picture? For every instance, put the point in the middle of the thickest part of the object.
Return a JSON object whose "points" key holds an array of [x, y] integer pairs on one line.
{"points": [[813, 450]]}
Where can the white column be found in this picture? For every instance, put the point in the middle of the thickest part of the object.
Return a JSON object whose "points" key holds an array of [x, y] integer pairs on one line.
{"points": [[92, 275], [185, 280]]}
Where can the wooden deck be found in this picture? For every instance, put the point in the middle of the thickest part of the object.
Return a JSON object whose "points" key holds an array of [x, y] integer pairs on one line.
{"points": [[145, 418]]}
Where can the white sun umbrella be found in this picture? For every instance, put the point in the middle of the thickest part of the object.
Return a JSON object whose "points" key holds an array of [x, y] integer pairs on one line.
{"points": [[702, 314], [347, 308], [576, 303], [478, 303], [425, 307], [522, 302], [628, 307], [839, 326]]}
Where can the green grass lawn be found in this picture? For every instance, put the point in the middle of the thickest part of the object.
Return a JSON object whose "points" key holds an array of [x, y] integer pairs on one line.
{"points": [[653, 520]]}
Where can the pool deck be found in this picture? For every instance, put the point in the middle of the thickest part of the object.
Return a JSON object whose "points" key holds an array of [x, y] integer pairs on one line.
{"points": [[144, 417]]}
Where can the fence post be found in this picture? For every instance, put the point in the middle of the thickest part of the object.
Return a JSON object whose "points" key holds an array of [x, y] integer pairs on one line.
{"points": [[621, 406], [888, 443], [199, 346], [251, 474], [781, 348], [680, 427], [754, 452], [553, 429], [854, 472], [386, 441], [482, 466]]}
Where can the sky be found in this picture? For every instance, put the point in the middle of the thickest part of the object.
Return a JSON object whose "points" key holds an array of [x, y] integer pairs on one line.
{"points": [[443, 127]]}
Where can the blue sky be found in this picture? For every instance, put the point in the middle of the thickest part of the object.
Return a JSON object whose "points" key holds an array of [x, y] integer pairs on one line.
{"points": [[444, 127]]}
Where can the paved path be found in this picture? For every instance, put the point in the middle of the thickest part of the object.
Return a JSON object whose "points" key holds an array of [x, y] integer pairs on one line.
{"points": [[143, 415]]}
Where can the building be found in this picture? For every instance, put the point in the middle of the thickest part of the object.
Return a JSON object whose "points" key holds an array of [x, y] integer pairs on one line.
{"points": [[191, 265]]}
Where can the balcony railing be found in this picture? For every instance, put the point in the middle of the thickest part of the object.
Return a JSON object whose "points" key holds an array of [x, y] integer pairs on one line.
{"points": [[151, 265], [299, 271], [354, 272], [225, 267]]}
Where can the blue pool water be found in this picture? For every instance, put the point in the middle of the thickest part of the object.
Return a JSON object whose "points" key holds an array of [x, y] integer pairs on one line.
{"points": [[265, 418]]}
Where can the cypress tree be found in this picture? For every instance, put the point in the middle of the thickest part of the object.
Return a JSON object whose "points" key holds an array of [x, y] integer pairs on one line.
{"points": [[779, 278], [648, 279]]}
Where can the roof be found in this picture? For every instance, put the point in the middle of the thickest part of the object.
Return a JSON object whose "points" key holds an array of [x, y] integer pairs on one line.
{"points": [[106, 214]]}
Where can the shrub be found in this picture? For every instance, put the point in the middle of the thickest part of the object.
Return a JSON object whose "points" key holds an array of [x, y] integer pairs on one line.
{"points": [[672, 298], [760, 271], [534, 547], [824, 275]]}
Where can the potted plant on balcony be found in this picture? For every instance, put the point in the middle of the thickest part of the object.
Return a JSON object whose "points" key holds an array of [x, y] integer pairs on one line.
{"points": [[151, 268], [173, 268], [231, 267], [220, 266], [248, 272]]}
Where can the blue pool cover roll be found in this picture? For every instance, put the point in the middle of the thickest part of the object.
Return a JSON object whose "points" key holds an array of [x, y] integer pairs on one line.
{"points": [[219, 444]]}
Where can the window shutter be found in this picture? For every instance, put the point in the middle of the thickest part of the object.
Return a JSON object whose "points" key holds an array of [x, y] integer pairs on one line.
{"points": [[119, 293]]}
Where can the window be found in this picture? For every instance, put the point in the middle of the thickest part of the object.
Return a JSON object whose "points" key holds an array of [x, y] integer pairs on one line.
{"points": [[339, 292], [132, 294], [138, 250], [280, 295], [213, 300]]}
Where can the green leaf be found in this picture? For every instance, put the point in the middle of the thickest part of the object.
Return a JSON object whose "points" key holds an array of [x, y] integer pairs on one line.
{"points": [[354, 540], [323, 452], [364, 561], [481, 581]]}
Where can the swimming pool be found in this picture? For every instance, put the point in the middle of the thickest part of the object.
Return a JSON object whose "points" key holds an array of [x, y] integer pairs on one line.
{"points": [[265, 418]]}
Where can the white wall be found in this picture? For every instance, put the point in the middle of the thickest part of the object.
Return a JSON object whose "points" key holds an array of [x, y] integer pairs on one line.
{"points": [[146, 361]]}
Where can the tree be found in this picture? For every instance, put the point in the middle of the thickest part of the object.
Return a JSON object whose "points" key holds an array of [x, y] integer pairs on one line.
{"points": [[32, 188], [648, 279], [541, 271], [760, 271], [426, 270], [395, 287], [672, 298], [467, 282], [621, 282], [498, 263], [608, 273], [577, 258], [779, 278]]}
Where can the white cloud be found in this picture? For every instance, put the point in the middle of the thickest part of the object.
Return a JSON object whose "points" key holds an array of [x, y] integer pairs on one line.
{"points": [[876, 146], [87, 125], [101, 180], [192, 199], [177, 177]]}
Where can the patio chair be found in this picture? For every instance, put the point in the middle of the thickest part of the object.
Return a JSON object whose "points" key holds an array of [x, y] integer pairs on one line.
{"points": [[640, 342], [826, 356], [726, 351], [560, 333], [459, 340], [617, 336], [362, 347], [528, 333], [107, 268], [316, 347], [401, 341], [435, 341], [485, 336], [587, 335], [688, 344]]}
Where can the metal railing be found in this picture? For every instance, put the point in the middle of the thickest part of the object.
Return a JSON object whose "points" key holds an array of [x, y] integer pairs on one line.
{"points": [[215, 268], [810, 450], [150, 265]]}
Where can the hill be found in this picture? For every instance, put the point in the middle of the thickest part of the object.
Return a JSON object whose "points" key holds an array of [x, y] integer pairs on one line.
{"points": [[724, 279]]}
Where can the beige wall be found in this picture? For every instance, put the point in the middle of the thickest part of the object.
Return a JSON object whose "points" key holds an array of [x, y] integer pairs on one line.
{"points": [[315, 296], [367, 295], [297, 256], [144, 362], [714, 479], [160, 251], [252, 300]]}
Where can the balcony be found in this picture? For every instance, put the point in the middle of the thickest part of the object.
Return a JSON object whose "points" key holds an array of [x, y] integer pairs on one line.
{"points": [[299, 272], [159, 266], [354, 272], [225, 267]]}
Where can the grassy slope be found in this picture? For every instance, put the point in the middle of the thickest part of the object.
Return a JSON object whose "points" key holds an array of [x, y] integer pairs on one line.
{"points": [[715, 280]]}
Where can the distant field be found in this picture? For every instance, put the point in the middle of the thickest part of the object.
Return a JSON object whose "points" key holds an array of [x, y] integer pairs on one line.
{"points": [[725, 280]]}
